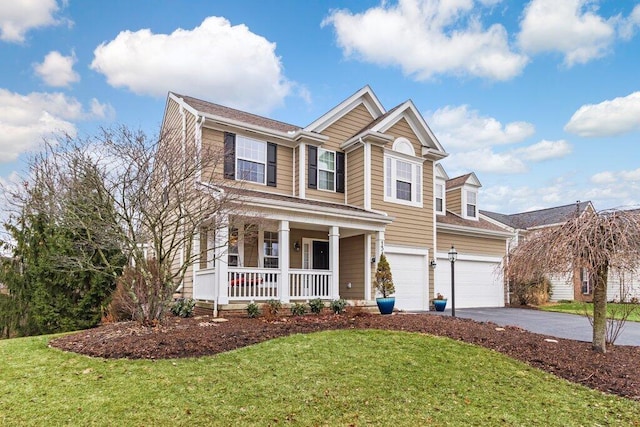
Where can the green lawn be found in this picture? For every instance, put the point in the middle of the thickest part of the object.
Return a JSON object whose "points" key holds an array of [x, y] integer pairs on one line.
{"points": [[574, 307], [351, 377]]}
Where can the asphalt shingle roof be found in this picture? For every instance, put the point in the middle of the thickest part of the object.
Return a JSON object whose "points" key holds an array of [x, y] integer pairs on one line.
{"points": [[542, 217]]}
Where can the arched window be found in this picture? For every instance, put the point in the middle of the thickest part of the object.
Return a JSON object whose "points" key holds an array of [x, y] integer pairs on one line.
{"points": [[403, 145]]}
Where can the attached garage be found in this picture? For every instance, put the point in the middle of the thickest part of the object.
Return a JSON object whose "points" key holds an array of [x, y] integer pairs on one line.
{"points": [[478, 281], [410, 269]]}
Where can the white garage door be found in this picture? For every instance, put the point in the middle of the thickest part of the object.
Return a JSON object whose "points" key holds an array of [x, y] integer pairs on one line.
{"points": [[478, 282], [410, 277]]}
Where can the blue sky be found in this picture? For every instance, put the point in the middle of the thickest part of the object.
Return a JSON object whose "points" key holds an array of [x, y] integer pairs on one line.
{"points": [[540, 98]]}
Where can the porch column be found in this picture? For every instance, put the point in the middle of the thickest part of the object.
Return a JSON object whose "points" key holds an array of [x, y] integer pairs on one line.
{"points": [[367, 267], [283, 239], [334, 261], [222, 250]]}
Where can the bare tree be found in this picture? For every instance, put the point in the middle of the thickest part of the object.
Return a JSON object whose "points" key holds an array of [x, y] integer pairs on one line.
{"points": [[603, 242], [162, 190]]}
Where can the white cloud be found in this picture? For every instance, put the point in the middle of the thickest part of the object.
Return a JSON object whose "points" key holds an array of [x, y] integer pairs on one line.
{"points": [[571, 27], [608, 118], [545, 150], [57, 70], [427, 38], [603, 178], [28, 119], [459, 127], [486, 161], [18, 17], [215, 61], [629, 25]]}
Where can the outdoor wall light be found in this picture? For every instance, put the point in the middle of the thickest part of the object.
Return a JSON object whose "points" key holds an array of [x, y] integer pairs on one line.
{"points": [[432, 263], [296, 246]]}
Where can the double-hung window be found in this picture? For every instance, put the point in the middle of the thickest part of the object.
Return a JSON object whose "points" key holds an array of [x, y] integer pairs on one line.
{"points": [[270, 249], [326, 170], [251, 159], [403, 181], [471, 204], [440, 198]]}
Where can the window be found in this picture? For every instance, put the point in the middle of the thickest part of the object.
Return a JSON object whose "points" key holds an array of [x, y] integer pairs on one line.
{"points": [[584, 279], [403, 179], [251, 159], [439, 198], [234, 253], [326, 170], [270, 249], [471, 210]]}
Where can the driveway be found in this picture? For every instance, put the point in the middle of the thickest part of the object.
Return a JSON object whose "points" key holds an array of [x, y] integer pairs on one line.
{"points": [[561, 325]]}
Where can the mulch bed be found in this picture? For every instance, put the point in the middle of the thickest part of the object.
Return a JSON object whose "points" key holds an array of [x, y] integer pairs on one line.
{"points": [[616, 372]]}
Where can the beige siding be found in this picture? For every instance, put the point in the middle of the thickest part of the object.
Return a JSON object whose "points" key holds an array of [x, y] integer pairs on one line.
{"points": [[296, 171], [352, 267], [402, 129], [454, 200], [355, 177], [471, 245], [214, 140], [340, 131], [412, 226]]}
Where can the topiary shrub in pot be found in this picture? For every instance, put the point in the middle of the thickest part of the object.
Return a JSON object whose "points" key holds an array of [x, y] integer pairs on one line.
{"points": [[384, 286]]}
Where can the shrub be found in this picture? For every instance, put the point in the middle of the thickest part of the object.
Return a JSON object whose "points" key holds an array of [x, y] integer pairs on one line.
{"points": [[534, 292], [316, 305], [272, 308], [338, 305], [298, 309], [384, 278], [183, 307], [253, 310]]}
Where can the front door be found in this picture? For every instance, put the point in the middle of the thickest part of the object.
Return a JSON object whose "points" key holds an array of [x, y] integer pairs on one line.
{"points": [[320, 255]]}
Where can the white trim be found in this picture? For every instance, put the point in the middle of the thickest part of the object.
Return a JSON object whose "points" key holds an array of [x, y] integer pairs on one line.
{"points": [[367, 266], [467, 257], [367, 176], [417, 178], [240, 138], [364, 96], [320, 150], [396, 249], [402, 143], [465, 193], [302, 176], [309, 256]]}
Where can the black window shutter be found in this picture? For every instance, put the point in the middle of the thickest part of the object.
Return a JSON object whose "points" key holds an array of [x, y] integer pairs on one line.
{"points": [[272, 155], [230, 155], [339, 172], [313, 167]]}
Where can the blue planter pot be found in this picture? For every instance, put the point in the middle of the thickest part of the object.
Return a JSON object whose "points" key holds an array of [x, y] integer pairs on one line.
{"points": [[440, 304], [385, 305]]}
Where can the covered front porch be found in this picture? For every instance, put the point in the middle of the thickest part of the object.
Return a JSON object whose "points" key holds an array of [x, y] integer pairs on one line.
{"points": [[292, 257]]}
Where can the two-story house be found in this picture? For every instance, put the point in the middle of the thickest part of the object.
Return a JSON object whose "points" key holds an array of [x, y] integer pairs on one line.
{"points": [[321, 203]]}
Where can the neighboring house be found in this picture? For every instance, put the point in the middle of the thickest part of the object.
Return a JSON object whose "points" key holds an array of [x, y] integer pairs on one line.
{"points": [[323, 202], [481, 245], [580, 286]]}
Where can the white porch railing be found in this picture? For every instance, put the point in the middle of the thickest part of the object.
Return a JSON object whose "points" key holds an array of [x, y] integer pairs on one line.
{"points": [[262, 284], [204, 284], [253, 284], [306, 284]]}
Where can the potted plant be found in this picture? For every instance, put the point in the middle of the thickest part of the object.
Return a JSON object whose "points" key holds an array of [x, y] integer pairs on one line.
{"points": [[384, 286], [440, 302]]}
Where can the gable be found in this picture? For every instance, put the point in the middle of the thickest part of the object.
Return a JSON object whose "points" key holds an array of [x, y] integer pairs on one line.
{"points": [[362, 98], [347, 126]]}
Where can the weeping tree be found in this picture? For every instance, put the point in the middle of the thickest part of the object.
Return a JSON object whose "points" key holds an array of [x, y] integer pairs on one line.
{"points": [[604, 243]]}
